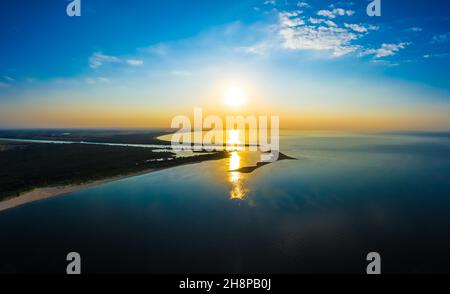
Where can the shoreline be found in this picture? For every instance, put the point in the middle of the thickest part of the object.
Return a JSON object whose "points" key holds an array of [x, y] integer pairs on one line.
{"points": [[43, 193], [40, 193]]}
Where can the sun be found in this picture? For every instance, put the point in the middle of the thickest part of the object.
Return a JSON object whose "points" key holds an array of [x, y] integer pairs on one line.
{"points": [[235, 96]]}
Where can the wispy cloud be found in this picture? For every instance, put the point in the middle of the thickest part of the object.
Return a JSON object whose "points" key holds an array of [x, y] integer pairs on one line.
{"points": [[93, 81], [360, 28], [303, 4], [270, 2], [385, 63], [441, 39], [327, 30], [325, 21], [335, 12], [321, 33], [135, 62], [181, 73], [158, 49], [290, 19], [386, 50], [336, 40], [257, 49], [439, 55], [414, 30], [4, 85], [98, 59], [9, 79]]}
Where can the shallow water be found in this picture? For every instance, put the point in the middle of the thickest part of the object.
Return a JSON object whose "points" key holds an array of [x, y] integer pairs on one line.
{"points": [[345, 196]]}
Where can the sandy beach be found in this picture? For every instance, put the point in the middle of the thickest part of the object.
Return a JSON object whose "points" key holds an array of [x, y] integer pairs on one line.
{"points": [[50, 192]]}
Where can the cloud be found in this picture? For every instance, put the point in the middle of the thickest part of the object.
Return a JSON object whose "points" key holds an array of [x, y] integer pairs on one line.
{"points": [[326, 13], [341, 3], [321, 34], [325, 21], [181, 73], [324, 31], [440, 55], [4, 85], [270, 2], [335, 12], [303, 4], [98, 59], [135, 62], [315, 20], [290, 19], [324, 34], [441, 39], [361, 28], [414, 30], [384, 63], [93, 81], [9, 79], [330, 23], [356, 28], [158, 49], [257, 49], [336, 40], [386, 50]]}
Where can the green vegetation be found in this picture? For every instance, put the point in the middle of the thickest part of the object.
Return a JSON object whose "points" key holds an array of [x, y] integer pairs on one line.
{"points": [[25, 166], [99, 136]]}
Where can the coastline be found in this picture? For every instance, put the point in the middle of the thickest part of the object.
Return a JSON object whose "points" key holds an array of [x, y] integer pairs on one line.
{"points": [[41, 192], [38, 194]]}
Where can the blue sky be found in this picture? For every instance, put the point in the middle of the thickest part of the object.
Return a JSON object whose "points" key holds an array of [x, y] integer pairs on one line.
{"points": [[326, 57]]}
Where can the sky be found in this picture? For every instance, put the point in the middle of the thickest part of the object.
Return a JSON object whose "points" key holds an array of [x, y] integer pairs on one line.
{"points": [[316, 64]]}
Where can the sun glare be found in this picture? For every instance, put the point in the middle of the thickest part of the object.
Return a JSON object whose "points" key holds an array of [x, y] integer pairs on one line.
{"points": [[235, 97]]}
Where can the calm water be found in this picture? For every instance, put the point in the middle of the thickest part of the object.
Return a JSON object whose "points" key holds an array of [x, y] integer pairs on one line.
{"points": [[345, 196]]}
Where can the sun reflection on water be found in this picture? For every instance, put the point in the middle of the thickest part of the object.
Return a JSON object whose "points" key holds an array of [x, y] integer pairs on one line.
{"points": [[236, 179], [238, 190]]}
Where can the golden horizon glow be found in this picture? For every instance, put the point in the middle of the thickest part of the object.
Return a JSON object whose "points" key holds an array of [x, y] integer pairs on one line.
{"points": [[111, 118], [123, 114]]}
